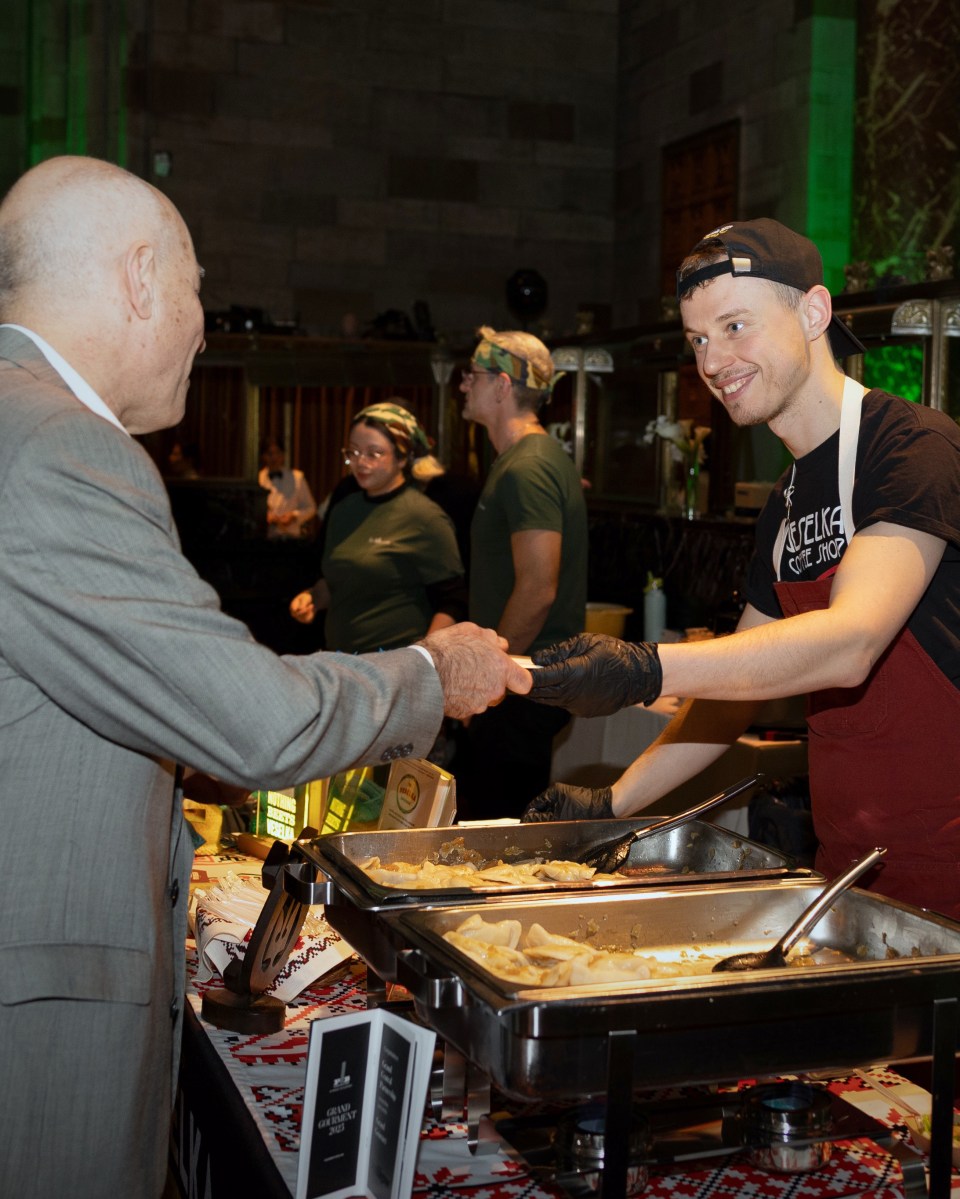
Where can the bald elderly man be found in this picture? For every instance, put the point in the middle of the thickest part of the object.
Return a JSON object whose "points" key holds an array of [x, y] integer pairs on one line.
{"points": [[116, 662]]}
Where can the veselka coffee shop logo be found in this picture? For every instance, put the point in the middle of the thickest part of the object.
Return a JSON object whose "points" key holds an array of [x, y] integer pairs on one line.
{"points": [[408, 794]]}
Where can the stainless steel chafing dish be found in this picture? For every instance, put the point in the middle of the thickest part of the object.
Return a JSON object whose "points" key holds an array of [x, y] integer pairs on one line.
{"points": [[896, 995], [559, 1042], [689, 854]]}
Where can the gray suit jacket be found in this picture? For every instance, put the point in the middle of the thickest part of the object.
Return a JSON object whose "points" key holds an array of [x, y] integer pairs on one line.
{"points": [[115, 661]]}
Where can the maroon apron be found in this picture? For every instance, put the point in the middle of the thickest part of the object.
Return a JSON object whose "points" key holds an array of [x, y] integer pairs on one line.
{"points": [[885, 768]]}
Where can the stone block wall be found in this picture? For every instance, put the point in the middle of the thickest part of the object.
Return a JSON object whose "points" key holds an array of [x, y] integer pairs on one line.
{"points": [[356, 156], [344, 158], [684, 69]]}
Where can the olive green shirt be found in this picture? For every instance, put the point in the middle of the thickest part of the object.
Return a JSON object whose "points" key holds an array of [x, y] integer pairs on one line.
{"points": [[380, 555], [532, 485]]}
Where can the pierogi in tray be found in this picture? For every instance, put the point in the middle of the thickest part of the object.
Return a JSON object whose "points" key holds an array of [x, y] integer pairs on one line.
{"points": [[457, 866], [430, 876], [537, 958]]}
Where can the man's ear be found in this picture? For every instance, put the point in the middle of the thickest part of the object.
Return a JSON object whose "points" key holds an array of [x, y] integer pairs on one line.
{"points": [[140, 279], [817, 309]]}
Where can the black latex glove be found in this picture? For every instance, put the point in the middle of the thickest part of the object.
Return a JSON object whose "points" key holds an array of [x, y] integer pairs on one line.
{"points": [[563, 801], [595, 675]]}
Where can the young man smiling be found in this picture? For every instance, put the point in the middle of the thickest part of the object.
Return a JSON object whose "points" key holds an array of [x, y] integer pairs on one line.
{"points": [[853, 593]]}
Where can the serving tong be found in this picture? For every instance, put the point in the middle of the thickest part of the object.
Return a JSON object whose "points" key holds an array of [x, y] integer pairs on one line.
{"points": [[609, 856]]}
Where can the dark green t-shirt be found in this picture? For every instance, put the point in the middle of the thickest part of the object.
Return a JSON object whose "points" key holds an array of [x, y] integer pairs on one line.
{"points": [[532, 485], [379, 557]]}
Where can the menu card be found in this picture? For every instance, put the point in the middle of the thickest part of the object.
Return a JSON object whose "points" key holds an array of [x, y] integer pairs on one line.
{"points": [[418, 795], [366, 1088]]}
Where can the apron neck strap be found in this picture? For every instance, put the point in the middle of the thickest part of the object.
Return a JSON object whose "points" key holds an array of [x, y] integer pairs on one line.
{"points": [[847, 459], [850, 406]]}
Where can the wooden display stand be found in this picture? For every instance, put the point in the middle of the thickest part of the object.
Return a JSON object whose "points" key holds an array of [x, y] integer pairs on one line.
{"points": [[243, 1005]]}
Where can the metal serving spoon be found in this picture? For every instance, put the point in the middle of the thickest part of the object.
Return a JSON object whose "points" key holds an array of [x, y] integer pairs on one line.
{"points": [[776, 955], [609, 856]]}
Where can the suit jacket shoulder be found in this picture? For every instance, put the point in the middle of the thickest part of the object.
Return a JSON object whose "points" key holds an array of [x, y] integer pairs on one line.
{"points": [[89, 559]]}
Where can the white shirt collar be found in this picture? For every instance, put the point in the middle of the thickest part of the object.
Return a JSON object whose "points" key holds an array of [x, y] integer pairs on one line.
{"points": [[77, 384]]}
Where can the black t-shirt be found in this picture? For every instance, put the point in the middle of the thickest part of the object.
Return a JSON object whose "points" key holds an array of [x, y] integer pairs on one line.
{"points": [[907, 473]]}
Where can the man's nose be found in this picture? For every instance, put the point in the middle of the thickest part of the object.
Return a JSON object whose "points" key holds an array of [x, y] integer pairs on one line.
{"points": [[714, 359]]}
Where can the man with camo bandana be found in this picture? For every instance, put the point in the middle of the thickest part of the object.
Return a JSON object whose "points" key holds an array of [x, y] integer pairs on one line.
{"points": [[528, 576]]}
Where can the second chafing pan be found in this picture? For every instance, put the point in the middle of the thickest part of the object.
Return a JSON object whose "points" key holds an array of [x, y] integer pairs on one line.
{"points": [[693, 853], [881, 967]]}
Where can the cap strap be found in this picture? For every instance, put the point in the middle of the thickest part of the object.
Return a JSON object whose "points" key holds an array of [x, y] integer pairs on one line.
{"points": [[724, 266]]}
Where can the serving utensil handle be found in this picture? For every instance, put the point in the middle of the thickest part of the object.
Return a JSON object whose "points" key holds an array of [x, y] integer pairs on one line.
{"points": [[692, 813], [809, 916]]}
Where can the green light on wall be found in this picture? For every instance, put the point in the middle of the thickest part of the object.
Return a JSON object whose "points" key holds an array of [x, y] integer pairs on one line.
{"points": [[77, 78], [833, 62], [897, 369], [76, 57], [57, 78]]}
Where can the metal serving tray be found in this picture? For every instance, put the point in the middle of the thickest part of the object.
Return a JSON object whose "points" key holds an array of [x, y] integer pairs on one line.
{"points": [[691, 853], [558, 1042]]}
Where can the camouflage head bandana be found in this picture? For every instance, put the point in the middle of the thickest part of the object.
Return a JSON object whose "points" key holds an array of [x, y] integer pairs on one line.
{"points": [[402, 425], [490, 357]]}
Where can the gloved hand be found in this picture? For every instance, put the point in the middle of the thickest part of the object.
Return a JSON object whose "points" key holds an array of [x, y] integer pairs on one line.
{"points": [[595, 675], [563, 801]]}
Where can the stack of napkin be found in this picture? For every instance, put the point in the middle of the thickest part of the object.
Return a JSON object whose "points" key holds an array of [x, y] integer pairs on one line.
{"points": [[223, 917]]}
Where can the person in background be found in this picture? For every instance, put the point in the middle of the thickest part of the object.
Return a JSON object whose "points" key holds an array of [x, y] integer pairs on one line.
{"points": [[528, 575], [183, 462], [290, 503], [391, 570], [116, 664], [455, 491], [853, 593]]}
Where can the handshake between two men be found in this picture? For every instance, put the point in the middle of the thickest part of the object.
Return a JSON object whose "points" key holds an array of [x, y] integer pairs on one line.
{"points": [[589, 675]]}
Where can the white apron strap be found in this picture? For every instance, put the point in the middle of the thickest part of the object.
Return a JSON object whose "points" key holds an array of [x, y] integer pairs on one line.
{"points": [[850, 406], [853, 394]]}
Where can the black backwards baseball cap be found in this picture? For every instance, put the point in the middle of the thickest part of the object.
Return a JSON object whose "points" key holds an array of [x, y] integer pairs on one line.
{"points": [[765, 249]]}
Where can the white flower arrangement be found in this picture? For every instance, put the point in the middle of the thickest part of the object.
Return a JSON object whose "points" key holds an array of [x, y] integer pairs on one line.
{"points": [[686, 439]]}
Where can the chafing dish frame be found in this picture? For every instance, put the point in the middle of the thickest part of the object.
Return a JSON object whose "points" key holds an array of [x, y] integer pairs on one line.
{"points": [[917, 1004], [707, 1029]]}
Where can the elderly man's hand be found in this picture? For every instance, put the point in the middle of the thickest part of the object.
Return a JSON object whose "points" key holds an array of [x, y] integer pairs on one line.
{"points": [[563, 801], [475, 671], [595, 675]]}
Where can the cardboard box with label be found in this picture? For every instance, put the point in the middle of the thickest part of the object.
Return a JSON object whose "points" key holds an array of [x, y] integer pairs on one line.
{"points": [[418, 795]]}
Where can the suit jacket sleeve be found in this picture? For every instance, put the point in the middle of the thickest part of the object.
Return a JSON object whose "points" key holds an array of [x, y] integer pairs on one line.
{"points": [[99, 608]]}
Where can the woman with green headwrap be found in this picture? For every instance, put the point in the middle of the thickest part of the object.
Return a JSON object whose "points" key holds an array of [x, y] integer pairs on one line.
{"points": [[391, 570]]}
